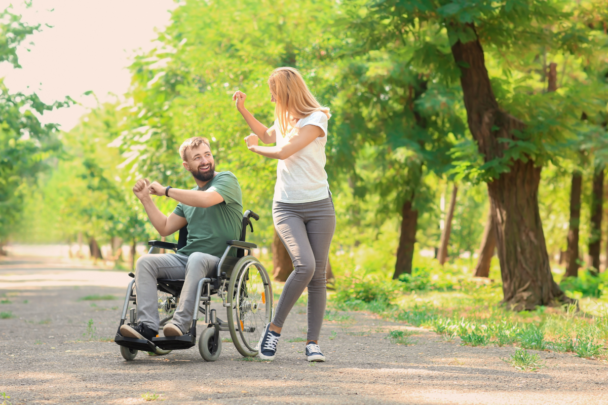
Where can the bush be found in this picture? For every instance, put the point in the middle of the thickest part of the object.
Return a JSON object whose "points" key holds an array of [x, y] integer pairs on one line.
{"points": [[367, 289], [586, 284]]}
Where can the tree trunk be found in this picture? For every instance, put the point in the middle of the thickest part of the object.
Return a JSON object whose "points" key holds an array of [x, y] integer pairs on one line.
{"points": [[552, 77], [488, 245], [526, 275], [281, 262], [447, 229], [572, 255], [595, 237], [133, 253], [407, 239], [94, 249], [329, 275]]}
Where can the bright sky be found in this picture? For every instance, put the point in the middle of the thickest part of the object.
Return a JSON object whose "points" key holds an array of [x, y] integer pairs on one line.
{"points": [[89, 48]]}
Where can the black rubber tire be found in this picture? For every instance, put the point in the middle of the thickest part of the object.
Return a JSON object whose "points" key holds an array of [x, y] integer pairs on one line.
{"points": [[235, 334], [128, 354], [205, 343]]}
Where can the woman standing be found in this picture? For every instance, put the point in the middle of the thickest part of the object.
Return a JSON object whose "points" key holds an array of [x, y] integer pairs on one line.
{"points": [[302, 210]]}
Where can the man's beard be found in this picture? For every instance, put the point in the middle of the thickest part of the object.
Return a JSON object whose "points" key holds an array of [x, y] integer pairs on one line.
{"points": [[208, 175]]}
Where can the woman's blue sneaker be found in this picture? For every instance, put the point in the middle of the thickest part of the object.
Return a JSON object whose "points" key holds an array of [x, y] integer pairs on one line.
{"points": [[267, 346], [313, 352]]}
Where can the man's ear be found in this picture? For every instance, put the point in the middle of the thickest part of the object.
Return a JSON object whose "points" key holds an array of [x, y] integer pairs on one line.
{"points": [[185, 164]]}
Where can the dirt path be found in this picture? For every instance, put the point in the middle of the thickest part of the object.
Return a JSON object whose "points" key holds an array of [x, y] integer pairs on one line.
{"points": [[57, 349]]}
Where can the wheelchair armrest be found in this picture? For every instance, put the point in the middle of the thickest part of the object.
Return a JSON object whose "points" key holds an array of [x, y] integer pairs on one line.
{"points": [[241, 244], [162, 245]]}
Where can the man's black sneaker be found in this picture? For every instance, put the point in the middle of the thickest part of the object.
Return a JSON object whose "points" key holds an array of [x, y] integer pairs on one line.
{"points": [[139, 331], [267, 346], [313, 352]]}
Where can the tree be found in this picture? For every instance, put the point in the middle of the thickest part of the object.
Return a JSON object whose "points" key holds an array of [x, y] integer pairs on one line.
{"points": [[445, 236], [488, 245], [572, 254], [281, 262], [595, 238], [395, 122], [513, 148], [26, 145]]}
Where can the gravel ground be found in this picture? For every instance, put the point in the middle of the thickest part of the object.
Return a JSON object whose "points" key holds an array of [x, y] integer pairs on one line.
{"points": [[50, 354]]}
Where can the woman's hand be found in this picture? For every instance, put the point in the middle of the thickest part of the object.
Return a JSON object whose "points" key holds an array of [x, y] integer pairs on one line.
{"points": [[251, 140], [239, 98]]}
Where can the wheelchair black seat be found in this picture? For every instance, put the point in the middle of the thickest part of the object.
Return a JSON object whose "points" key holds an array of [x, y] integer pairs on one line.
{"points": [[170, 285]]}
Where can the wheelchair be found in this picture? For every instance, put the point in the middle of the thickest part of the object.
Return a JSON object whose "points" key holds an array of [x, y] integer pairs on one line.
{"points": [[242, 284]]}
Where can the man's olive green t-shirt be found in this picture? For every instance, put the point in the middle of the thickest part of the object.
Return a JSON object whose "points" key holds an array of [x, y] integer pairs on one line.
{"points": [[210, 228]]}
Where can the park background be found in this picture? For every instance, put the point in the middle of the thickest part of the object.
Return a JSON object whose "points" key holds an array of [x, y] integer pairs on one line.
{"points": [[410, 176]]}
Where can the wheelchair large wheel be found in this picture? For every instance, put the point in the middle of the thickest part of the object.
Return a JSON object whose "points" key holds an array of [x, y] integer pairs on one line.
{"points": [[205, 345], [250, 295]]}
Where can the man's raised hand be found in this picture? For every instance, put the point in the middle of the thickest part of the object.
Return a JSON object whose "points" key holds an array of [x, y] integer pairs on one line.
{"points": [[157, 189], [141, 188]]}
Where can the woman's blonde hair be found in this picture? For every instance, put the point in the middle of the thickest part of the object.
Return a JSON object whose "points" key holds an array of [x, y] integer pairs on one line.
{"points": [[292, 97]]}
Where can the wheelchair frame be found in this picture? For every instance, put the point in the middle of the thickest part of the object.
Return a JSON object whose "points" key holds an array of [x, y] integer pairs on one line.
{"points": [[224, 280]]}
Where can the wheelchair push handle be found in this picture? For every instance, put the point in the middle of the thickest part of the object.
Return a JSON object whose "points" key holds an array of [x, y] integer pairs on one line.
{"points": [[251, 214]]}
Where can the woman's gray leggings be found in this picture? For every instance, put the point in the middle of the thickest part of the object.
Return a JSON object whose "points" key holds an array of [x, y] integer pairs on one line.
{"points": [[306, 230]]}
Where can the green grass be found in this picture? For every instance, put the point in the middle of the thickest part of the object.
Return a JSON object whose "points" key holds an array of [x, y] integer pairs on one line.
{"points": [[475, 314], [401, 337], [333, 335], [148, 396], [5, 399], [335, 316], [5, 301], [296, 340], [96, 297], [6, 315], [227, 340], [524, 360]]}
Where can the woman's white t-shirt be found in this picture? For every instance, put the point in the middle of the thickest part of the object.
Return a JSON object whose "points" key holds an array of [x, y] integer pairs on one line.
{"points": [[301, 177]]}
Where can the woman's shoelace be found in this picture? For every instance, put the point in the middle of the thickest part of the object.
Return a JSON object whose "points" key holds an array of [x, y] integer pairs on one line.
{"points": [[313, 348], [271, 342]]}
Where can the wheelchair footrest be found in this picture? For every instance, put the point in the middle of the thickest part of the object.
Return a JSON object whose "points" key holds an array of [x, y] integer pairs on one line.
{"points": [[137, 344], [175, 342]]}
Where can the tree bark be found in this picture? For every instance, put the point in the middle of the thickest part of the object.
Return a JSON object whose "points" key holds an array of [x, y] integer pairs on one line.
{"points": [[133, 253], [526, 275], [329, 275], [407, 239], [572, 254], [552, 77], [488, 245], [447, 229], [94, 249], [281, 262], [595, 237]]}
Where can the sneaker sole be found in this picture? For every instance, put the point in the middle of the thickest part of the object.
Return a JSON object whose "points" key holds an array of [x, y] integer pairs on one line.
{"points": [[316, 358], [264, 357], [129, 332]]}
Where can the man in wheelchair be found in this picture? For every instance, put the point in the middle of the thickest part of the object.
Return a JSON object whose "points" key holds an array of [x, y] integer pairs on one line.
{"points": [[212, 212]]}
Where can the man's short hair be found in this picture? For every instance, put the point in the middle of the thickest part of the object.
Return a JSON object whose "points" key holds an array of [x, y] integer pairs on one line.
{"points": [[190, 143]]}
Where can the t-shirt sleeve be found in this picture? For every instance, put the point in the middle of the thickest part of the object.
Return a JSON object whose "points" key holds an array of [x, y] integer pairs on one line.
{"points": [[228, 187], [179, 210], [318, 118]]}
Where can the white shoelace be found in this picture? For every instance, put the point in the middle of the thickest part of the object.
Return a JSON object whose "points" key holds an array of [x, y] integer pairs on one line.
{"points": [[271, 342], [313, 348]]}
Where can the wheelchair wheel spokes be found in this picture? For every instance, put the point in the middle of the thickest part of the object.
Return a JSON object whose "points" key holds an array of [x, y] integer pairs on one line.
{"points": [[166, 307], [252, 305]]}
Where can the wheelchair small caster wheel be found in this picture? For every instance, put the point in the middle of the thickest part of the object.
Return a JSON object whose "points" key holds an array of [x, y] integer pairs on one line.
{"points": [[205, 345], [128, 354]]}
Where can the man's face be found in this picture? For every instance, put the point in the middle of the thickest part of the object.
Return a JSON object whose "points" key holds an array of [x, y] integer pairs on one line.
{"points": [[200, 163]]}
